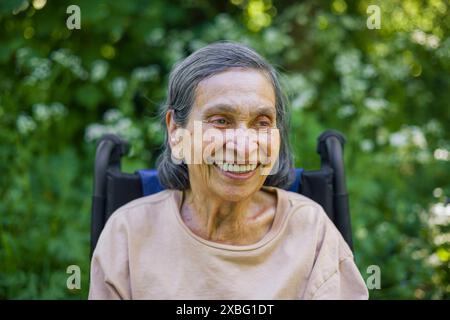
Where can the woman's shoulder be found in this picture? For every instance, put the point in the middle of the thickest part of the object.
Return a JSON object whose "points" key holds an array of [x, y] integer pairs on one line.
{"points": [[299, 204], [144, 207], [310, 219], [298, 198], [150, 200], [134, 222]]}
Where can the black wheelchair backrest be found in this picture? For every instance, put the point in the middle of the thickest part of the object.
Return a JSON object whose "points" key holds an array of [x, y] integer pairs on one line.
{"points": [[114, 188]]}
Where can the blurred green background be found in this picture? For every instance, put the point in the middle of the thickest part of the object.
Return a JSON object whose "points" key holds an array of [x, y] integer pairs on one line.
{"points": [[387, 90]]}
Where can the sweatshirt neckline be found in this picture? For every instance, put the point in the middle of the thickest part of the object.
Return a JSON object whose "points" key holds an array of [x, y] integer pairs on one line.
{"points": [[280, 215]]}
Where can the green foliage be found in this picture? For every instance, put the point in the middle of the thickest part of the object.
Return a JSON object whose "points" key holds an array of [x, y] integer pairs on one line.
{"points": [[387, 90]]}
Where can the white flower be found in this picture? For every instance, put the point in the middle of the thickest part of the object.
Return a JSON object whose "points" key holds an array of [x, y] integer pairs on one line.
{"points": [[398, 139], [145, 73], [118, 86], [41, 112], [441, 154], [123, 124], [440, 214], [433, 42], [95, 131], [58, 109], [366, 145], [112, 115], [346, 111], [69, 61], [418, 137], [155, 37], [99, 70], [418, 36], [410, 135], [375, 104], [348, 62], [25, 124]]}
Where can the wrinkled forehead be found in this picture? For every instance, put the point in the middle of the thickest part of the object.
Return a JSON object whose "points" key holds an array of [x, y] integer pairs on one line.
{"points": [[244, 89]]}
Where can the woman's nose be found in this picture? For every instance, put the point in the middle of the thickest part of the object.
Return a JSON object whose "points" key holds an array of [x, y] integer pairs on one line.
{"points": [[243, 144]]}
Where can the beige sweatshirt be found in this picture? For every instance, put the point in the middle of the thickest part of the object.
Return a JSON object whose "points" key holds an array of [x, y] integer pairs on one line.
{"points": [[147, 252]]}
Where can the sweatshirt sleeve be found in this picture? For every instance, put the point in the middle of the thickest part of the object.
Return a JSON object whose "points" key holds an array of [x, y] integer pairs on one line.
{"points": [[109, 266], [335, 275], [344, 284]]}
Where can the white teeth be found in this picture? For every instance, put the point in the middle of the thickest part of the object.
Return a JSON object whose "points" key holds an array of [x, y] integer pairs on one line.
{"points": [[236, 167]]}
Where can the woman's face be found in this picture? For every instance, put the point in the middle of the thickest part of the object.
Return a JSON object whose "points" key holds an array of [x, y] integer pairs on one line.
{"points": [[233, 137]]}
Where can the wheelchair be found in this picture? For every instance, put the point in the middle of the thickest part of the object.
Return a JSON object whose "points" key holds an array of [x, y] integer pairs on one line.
{"points": [[114, 188]]}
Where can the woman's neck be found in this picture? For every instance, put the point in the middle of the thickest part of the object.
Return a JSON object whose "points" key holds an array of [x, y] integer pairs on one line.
{"points": [[238, 223]]}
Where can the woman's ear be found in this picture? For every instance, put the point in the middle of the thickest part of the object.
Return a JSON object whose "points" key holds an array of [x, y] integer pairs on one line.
{"points": [[174, 134], [171, 127]]}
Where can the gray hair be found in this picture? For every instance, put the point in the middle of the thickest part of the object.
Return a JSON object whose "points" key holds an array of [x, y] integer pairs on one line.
{"points": [[183, 81]]}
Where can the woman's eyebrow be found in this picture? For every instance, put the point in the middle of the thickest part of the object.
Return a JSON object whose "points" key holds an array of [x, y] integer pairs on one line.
{"points": [[230, 109]]}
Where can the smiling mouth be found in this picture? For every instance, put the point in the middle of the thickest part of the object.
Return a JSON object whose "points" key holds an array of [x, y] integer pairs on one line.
{"points": [[237, 171], [236, 168]]}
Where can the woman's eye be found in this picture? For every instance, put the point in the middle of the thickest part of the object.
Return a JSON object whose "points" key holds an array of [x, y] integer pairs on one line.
{"points": [[264, 123], [220, 121]]}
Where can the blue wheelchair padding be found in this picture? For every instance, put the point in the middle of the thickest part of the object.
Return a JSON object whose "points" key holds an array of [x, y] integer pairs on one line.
{"points": [[150, 182], [151, 185], [295, 186]]}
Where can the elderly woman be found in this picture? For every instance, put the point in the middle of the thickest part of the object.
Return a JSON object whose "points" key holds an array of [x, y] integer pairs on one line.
{"points": [[224, 228]]}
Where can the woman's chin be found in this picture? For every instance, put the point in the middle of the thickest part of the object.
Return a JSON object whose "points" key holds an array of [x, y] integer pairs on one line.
{"points": [[234, 193]]}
